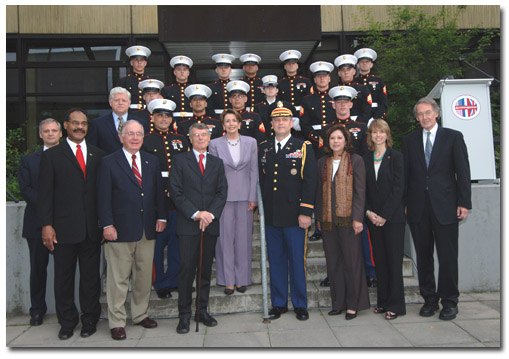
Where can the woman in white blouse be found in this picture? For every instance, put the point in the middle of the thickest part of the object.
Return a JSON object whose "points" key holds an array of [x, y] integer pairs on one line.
{"points": [[339, 210], [234, 247], [386, 217]]}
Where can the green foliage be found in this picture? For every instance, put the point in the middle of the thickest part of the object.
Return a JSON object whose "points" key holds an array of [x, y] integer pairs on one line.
{"points": [[419, 50], [14, 141]]}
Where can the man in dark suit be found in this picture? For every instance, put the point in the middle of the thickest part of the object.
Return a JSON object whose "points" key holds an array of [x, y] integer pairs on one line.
{"points": [[198, 188], [104, 130], [50, 132], [437, 197], [131, 210], [288, 180], [67, 212]]}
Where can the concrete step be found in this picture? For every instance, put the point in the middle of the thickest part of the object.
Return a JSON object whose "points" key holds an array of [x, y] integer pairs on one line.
{"points": [[316, 271], [252, 300]]}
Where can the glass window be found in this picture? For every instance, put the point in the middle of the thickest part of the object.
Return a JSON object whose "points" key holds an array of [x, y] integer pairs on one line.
{"points": [[12, 87], [56, 53], [71, 80]]}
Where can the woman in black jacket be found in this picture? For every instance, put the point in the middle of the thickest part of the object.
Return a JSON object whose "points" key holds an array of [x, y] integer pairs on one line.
{"points": [[386, 217]]}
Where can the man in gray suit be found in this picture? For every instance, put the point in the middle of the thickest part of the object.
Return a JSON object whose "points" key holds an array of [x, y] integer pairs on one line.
{"points": [[198, 189]]}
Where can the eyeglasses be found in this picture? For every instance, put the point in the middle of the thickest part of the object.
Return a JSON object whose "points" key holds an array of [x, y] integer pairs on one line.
{"points": [[199, 135], [133, 134]]}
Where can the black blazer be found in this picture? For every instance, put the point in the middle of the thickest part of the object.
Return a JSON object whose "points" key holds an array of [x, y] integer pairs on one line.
{"points": [[191, 191], [28, 179], [447, 177], [384, 195], [103, 133], [123, 203], [67, 200]]}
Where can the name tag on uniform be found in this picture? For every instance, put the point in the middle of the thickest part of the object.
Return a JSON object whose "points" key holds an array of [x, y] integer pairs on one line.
{"points": [[165, 174]]}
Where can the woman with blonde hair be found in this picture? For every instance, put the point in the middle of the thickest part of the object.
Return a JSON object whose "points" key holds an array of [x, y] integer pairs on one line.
{"points": [[386, 217]]}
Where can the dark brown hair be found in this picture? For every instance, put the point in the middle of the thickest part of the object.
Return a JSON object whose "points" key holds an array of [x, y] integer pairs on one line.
{"points": [[348, 145], [230, 111]]}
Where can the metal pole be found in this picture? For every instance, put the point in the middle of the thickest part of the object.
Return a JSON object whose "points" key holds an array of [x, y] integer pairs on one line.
{"points": [[263, 263]]}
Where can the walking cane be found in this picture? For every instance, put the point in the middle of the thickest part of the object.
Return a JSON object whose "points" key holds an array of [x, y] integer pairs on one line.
{"points": [[199, 284]]}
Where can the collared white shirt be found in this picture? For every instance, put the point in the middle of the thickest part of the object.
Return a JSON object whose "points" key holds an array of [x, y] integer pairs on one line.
{"points": [[74, 147], [197, 155], [282, 142], [129, 157], [115, 118], [432, 136]]}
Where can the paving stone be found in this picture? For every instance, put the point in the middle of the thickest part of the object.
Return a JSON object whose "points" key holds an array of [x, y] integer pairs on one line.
{"points": [[435, 333], [484, 330], [377, 335], [303, 338], [237, 340]]}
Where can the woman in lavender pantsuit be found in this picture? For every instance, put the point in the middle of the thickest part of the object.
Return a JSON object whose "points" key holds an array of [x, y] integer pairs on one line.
{"points": [[234, 248]]}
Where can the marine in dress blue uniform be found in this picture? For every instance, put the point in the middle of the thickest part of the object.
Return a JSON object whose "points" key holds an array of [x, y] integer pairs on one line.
{"points": [[181, 68], [138, 56], [361, 110], [218, 100], [269, 104], [198, 95], [252, 125], [293, 87], [250, 66], [151, 90], [288, 179], [165, 145], [376, 85]]}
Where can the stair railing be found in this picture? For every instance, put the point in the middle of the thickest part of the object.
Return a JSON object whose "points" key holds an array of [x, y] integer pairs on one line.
{"points": [[263, 263]]}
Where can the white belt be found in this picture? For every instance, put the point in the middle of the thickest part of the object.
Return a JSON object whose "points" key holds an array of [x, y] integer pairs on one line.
{"points": [[219, 111], [137, 107], [297, 108], [353, 117], [374, 104], [182, 114], [165, 173], [317, 127]]}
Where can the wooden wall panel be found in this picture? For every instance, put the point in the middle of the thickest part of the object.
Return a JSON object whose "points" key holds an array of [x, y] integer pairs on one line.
{"points": [[76, 19], [145, 19], [331, 18], [11, 19], [483, 16]]}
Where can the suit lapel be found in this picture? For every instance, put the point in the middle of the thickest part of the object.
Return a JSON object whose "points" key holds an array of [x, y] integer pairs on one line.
{"points": [[193, 163], [420, 147], [436, 149], [225, 152], [145, 170], [67, 151], [383, 164], [112, 128], [124, 164]]}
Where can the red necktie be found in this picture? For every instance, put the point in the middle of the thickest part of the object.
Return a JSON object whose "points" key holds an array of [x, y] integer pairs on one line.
{"points": [[202, 168], [81, 160], [136, 171]]}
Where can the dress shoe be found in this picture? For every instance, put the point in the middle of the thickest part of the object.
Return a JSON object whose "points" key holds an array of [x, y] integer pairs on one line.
{"points": [[391, 315], [88, 330], [118, 333], [325, 282], [349, 316], [428, 309], [164, 293], [371, 281], [276, 312], [36, 320], [183, 326], [242, 289], [335, 312], [301, 313], [315, 237], [147, 323], [228, 291], [65, 333], [448, 313], [207, 319]]}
